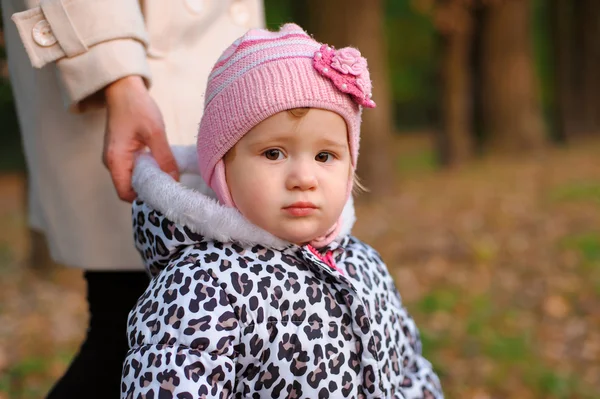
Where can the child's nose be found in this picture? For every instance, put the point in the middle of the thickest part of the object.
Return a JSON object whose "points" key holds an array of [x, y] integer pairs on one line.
{"points": [[301, 176]]}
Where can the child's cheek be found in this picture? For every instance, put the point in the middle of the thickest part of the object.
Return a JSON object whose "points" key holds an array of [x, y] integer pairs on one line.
{"points": [[257, 181]]}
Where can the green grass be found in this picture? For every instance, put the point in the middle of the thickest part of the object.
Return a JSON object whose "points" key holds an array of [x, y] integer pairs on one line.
{"points": [[577, 191], [553, 384], [480, 315], [491, 333], [588, 247], [507, 348], [4, 383], [432, 345], [32, 377], [6, 258], [440, 300], [27, 378], [416, 162]]}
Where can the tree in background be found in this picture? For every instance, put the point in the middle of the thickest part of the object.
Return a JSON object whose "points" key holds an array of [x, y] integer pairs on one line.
{"points": [[455, 140], [486, 57], [575, 29], [565, 117], [587, 57], [360, 24], [11, 157], [512, 113]]}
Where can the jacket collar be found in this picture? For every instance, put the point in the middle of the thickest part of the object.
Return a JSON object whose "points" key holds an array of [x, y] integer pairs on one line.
{"points": [[194, 205]]}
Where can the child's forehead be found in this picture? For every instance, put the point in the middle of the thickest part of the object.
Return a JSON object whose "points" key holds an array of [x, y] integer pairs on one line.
{"points": [[314, 126]]}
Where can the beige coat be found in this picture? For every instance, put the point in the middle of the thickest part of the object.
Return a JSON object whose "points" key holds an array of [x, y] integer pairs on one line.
{"points": [[60, 53]]}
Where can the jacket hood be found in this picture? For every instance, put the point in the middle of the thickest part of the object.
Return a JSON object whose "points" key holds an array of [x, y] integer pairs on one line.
{"points": [[192, 205]]}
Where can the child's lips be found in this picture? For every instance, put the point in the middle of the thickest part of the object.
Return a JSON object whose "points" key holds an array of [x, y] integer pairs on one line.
{"points": [[300, 208]]}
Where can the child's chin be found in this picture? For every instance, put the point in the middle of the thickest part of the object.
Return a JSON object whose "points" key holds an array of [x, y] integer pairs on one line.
{"points": [[301, 232], [302, 239], [299, 239]]}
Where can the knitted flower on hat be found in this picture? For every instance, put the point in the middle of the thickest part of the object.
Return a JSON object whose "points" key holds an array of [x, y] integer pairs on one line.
{"points": [[347, 69]]}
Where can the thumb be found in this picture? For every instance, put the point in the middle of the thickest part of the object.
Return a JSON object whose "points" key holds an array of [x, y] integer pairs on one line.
{"points": [[161, 151]]}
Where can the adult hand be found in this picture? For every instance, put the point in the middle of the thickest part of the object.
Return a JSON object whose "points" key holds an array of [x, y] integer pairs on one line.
{"points": [[133, 123]]}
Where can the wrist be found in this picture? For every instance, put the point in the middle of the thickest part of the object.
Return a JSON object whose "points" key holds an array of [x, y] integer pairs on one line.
{"points": [[119, 87]]}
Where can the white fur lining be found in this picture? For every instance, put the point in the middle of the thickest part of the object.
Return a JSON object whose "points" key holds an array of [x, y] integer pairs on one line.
{"points": [[193, 204]]}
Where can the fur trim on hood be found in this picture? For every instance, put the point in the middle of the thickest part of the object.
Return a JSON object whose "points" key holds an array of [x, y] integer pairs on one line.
{"points": [[193, 204]]}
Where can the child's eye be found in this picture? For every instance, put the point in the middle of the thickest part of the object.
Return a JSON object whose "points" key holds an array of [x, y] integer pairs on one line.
{"points": [[324, 157], [273, 154]]}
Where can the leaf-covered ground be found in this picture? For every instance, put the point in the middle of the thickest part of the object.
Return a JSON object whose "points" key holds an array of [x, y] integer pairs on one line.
{"points": [[498, 262]]}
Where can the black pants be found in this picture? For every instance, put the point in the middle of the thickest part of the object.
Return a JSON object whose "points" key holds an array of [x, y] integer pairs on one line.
{"points": [[96, 370]]}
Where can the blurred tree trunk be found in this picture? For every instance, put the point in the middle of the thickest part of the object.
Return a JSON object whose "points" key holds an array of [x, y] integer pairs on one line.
{"points": [[359, 23], [576, 38], [587, 42], [561, 30], [455, 140], [511, 109]]}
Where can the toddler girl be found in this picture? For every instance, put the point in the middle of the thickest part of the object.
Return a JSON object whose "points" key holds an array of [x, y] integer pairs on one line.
{"points": [[262, 292]]}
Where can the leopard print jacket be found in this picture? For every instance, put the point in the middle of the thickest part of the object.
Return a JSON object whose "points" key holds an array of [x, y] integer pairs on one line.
{"points": [[221, 319]]}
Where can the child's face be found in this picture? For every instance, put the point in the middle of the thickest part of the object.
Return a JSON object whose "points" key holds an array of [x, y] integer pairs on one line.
{"points": [[289, 175]]}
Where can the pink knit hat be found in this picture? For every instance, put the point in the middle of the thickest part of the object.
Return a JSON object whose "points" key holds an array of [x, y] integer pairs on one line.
{"points": [[263, 73]]}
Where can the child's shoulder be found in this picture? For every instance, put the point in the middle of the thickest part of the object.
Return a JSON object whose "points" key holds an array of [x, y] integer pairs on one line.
{"points": [[358, 248]]}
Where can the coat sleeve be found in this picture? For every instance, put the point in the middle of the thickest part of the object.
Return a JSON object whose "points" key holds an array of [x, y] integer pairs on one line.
{"points": [[92, 42], [419, 379], [183, 333]]}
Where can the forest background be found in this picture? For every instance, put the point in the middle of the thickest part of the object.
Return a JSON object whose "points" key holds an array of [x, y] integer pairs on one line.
{"points": [[482, 160]]}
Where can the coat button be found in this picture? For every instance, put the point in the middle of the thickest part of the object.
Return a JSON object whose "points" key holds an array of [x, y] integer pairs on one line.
{"points": [[239, 12], [195, 6], [42, 34]]}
